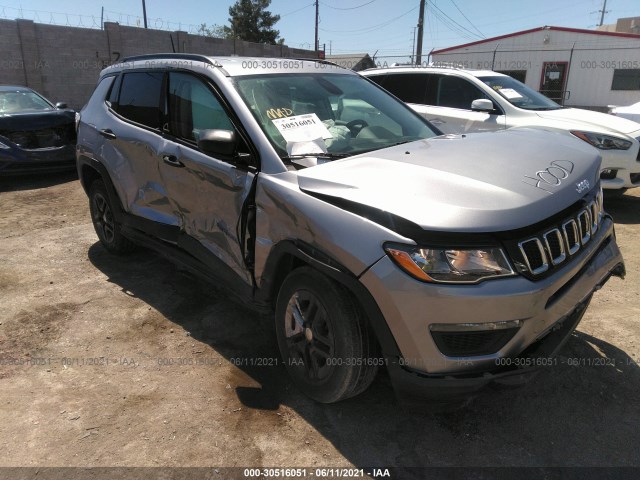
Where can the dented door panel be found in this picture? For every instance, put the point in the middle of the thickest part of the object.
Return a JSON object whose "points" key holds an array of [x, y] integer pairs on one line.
{"points": [[206, 197]]}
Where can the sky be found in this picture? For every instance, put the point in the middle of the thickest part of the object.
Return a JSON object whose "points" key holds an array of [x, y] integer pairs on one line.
{"points": [[385, 28]]}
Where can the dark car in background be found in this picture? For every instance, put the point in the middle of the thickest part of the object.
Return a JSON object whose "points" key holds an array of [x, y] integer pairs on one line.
{"points": [[35, 135]]}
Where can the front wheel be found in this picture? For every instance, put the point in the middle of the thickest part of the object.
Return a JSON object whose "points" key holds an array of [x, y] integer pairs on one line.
{"points": [[325, 343], [107, 229]]}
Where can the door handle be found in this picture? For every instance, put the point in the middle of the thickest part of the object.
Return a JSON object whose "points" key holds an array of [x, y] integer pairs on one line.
{"points": [[437, 121], [172, 160], [107, 133]]}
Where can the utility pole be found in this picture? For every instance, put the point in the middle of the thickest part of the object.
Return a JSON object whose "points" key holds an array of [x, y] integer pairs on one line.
{"points": [[413, 44], [604, 10], [316, 44], [420, 33], [144, 13]]}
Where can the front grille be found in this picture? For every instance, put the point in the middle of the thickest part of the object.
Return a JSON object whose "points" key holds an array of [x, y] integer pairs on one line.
{"points": [[467, 344], [555, 245], [635, 178], [44, 138]]}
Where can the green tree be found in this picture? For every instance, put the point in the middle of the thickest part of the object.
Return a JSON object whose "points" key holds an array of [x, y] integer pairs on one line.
{"points": [[214, 30], [251, 21]]}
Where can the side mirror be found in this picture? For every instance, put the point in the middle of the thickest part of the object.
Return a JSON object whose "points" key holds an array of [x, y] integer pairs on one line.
{"points": [[482, 105], [61, 105], [217, 142]]}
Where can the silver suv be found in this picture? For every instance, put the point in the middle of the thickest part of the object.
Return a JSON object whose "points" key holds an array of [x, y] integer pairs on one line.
{"points": [[374, 240]]}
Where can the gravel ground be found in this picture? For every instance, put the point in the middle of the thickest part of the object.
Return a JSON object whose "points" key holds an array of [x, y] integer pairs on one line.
{"points": [[128, 361]]}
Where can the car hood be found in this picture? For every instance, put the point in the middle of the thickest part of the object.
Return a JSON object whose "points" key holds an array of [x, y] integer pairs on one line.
{"points": [[36, 120], [589, 118], [484, 182]]}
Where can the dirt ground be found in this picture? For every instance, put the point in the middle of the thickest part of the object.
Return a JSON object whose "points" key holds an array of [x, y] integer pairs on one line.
{"points": [[128, 361]]}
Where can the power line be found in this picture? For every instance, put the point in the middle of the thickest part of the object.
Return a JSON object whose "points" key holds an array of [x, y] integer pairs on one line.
{"points": [[298, 10], [452, 24], [349, 8], [371, 28], [465, 17]]}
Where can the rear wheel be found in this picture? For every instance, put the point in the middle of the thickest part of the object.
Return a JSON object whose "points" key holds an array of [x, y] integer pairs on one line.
{"points": [[104, 223], [324, 341]]}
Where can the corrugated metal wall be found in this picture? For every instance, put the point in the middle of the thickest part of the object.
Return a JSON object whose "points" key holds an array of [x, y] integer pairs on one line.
{"points": [[591, 61]]}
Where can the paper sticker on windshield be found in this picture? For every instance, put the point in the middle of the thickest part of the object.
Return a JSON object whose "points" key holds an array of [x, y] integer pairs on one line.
{"points": [[510, 93], [301, 128]]}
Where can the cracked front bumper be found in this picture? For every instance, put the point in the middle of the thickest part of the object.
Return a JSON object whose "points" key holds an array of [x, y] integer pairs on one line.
{"points": [[548, 310]]}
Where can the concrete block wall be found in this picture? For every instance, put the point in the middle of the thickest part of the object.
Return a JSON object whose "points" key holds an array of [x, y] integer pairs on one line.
{"points": [[63, 63]]}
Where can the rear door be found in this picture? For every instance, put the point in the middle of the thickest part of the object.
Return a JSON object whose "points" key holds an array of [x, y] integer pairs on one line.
{"points": [[206, 193], [413, 89], [132, 144]]}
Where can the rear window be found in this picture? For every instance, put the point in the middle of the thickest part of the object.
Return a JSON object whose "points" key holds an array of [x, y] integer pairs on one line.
{"points": [[139, 98]]}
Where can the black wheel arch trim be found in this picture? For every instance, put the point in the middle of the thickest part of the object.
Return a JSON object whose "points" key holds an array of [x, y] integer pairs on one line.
{"points": [[84, 162], [273, 276]]}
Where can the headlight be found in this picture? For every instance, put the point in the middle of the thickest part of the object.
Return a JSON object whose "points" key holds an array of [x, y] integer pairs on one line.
{"points": [[603, 142], [464, 265]]}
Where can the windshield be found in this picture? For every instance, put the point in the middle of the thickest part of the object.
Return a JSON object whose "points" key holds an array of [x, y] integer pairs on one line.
{"points": [[519, 94], [13, 102], [328, 115]]}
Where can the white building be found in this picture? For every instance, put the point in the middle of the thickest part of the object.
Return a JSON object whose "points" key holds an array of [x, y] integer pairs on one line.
{"points": [[580, 68]]}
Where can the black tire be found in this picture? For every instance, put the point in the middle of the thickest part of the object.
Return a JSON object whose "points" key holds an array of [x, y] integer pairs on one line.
{"points": [[329, 351], [104, 223], [617, 193]]}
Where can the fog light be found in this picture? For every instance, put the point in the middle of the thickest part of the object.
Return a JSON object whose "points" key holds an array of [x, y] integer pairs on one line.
{"points": [[608, 174], [473, 339]]}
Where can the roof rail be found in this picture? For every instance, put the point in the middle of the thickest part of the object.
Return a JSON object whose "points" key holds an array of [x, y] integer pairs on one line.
{"points": [[455, 66], [178, 56], [452, 66]]}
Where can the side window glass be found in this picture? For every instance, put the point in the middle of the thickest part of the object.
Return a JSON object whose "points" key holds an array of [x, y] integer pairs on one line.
{"points": [[139, 99], [380, 80], [456, 92], [112, 98], [408, 87], [193, 108]]}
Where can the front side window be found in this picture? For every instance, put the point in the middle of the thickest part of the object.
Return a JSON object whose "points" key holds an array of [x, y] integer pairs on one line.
{"points": [[139, 98], [328, 114], [193, 107], [519, 94], [456, 92]]}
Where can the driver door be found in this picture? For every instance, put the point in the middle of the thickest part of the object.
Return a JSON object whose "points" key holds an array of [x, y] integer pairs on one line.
{"points": [[207, 193]]}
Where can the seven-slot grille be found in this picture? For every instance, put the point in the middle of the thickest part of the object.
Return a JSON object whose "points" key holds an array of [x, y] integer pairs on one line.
{"points": [[556, 245]]}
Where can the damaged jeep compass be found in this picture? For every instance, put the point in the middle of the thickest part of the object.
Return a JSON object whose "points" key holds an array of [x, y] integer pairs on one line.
{"points": [[453, 261]]}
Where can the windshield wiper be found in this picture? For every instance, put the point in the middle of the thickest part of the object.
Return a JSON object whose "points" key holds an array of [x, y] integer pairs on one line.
{"points": [[330, 156], [541, 109]]}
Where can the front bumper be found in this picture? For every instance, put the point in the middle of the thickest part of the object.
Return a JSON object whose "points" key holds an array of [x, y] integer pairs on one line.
{"points": [[19, 161], [549, 310]]}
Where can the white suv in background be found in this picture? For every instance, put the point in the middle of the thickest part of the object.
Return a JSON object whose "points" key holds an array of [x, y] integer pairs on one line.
{"points": [[464, 101]]}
